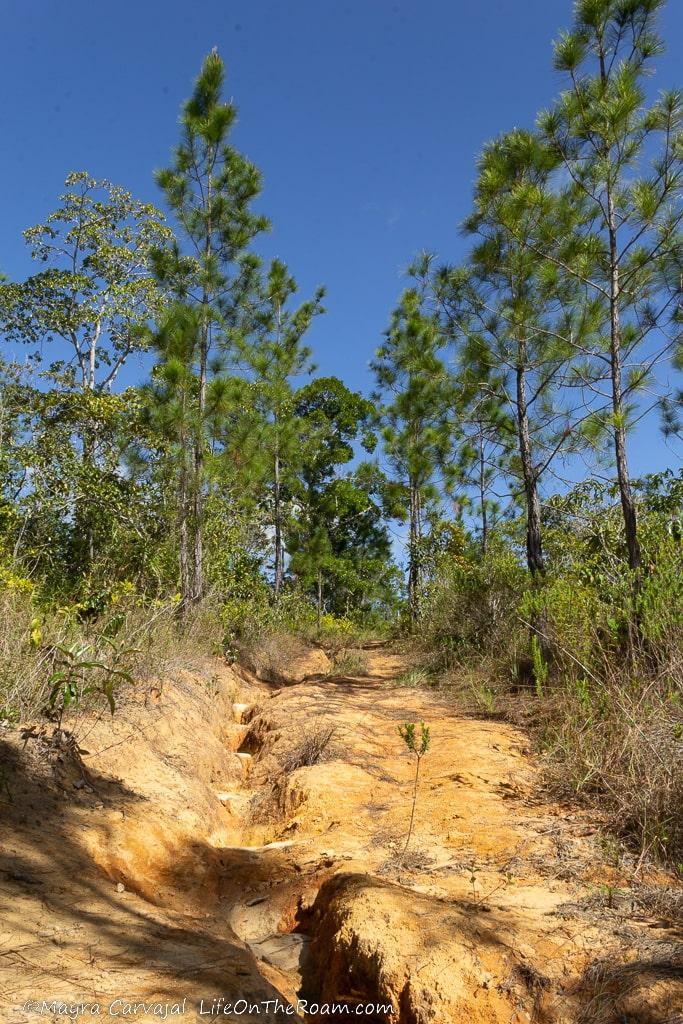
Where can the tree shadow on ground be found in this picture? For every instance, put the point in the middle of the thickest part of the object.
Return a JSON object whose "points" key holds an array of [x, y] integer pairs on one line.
{"points": [[67, 930]]}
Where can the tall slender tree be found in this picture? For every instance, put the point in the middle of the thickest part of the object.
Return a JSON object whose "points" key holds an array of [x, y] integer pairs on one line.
{"points": [[96, 289], [483, 461], [519, 327], [417, 430], [172, 409], [209, 189], [617, 236], [275, 355], [92, 301], [482, 430]]}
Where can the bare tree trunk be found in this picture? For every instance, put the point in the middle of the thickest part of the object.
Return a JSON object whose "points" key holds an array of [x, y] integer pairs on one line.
{"points": [[320, 598], [414, 574], [84, 514], [627, 503], [482, 497], [186, 588], [277, 516], [534, 545]]}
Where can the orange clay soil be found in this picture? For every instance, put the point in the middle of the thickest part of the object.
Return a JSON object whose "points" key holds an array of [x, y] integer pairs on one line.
{"points": [[174, 861]]}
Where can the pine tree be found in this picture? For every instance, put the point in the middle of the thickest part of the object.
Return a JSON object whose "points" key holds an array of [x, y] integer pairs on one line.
{"points": [[483, 453], [481, 428], [619, 240], [209, 189], [172, 406], [417, 431], [519, 328], [275, 356]]}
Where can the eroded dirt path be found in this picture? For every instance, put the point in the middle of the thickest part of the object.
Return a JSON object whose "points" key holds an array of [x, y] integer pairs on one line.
{"points": [[183, 863]]}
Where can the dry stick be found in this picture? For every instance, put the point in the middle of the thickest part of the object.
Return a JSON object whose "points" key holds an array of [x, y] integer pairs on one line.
{"points": [[412, 812]]}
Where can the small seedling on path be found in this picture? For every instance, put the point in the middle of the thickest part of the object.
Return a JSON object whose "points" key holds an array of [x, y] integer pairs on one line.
{"points": [[417, 747]]}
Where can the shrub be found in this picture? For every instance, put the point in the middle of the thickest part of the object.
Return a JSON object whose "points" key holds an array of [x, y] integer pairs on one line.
{"points": [[350, 663], [313, 747], [470, 605], [249, 623], [415, 678], [41, 648]]}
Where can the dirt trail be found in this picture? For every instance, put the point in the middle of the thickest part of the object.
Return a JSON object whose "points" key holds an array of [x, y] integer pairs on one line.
{"points": [[177, 861]]}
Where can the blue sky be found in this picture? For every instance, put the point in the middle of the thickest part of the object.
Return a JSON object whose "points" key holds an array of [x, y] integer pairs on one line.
{"points": [[365, 116]]}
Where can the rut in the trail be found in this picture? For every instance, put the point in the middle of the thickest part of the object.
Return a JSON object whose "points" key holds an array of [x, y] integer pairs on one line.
{"points": [[492, 916], [242, 879]]}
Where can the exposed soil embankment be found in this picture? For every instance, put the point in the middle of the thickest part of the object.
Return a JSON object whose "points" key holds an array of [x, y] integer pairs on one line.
{"points": [[117, 865], [223, 838]]}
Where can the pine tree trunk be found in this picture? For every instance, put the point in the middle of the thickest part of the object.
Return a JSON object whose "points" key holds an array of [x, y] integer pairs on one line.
{"points": [[320, 598], [624, 480], [197, 528], [414, 557], [627, 504], [198, 477], [198, 483], [534, 545], [277, 515], [482, 498], [186, 588]]}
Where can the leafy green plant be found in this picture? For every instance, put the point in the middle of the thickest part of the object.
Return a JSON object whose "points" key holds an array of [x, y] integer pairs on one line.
{"points": [[473, 870], [79, 673], [418, 748]]}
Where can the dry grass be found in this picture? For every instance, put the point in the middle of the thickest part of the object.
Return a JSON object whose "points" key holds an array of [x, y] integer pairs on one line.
{"points": [[350, 663], [273, 656], [637, 991], [25, 659], [314, 746], [146, 641], [661, 902], [622, 746], [416, 860]]}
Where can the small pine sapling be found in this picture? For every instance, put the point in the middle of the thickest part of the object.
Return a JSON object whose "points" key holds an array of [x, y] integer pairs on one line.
{"points": [[418, 748]]}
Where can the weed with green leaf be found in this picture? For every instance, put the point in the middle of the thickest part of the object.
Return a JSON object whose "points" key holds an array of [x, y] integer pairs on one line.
{"points": [[418, 748]]}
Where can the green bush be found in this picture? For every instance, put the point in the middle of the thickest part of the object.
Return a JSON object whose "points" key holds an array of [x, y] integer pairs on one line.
{"points": [[470, 605], [591, 657]]}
